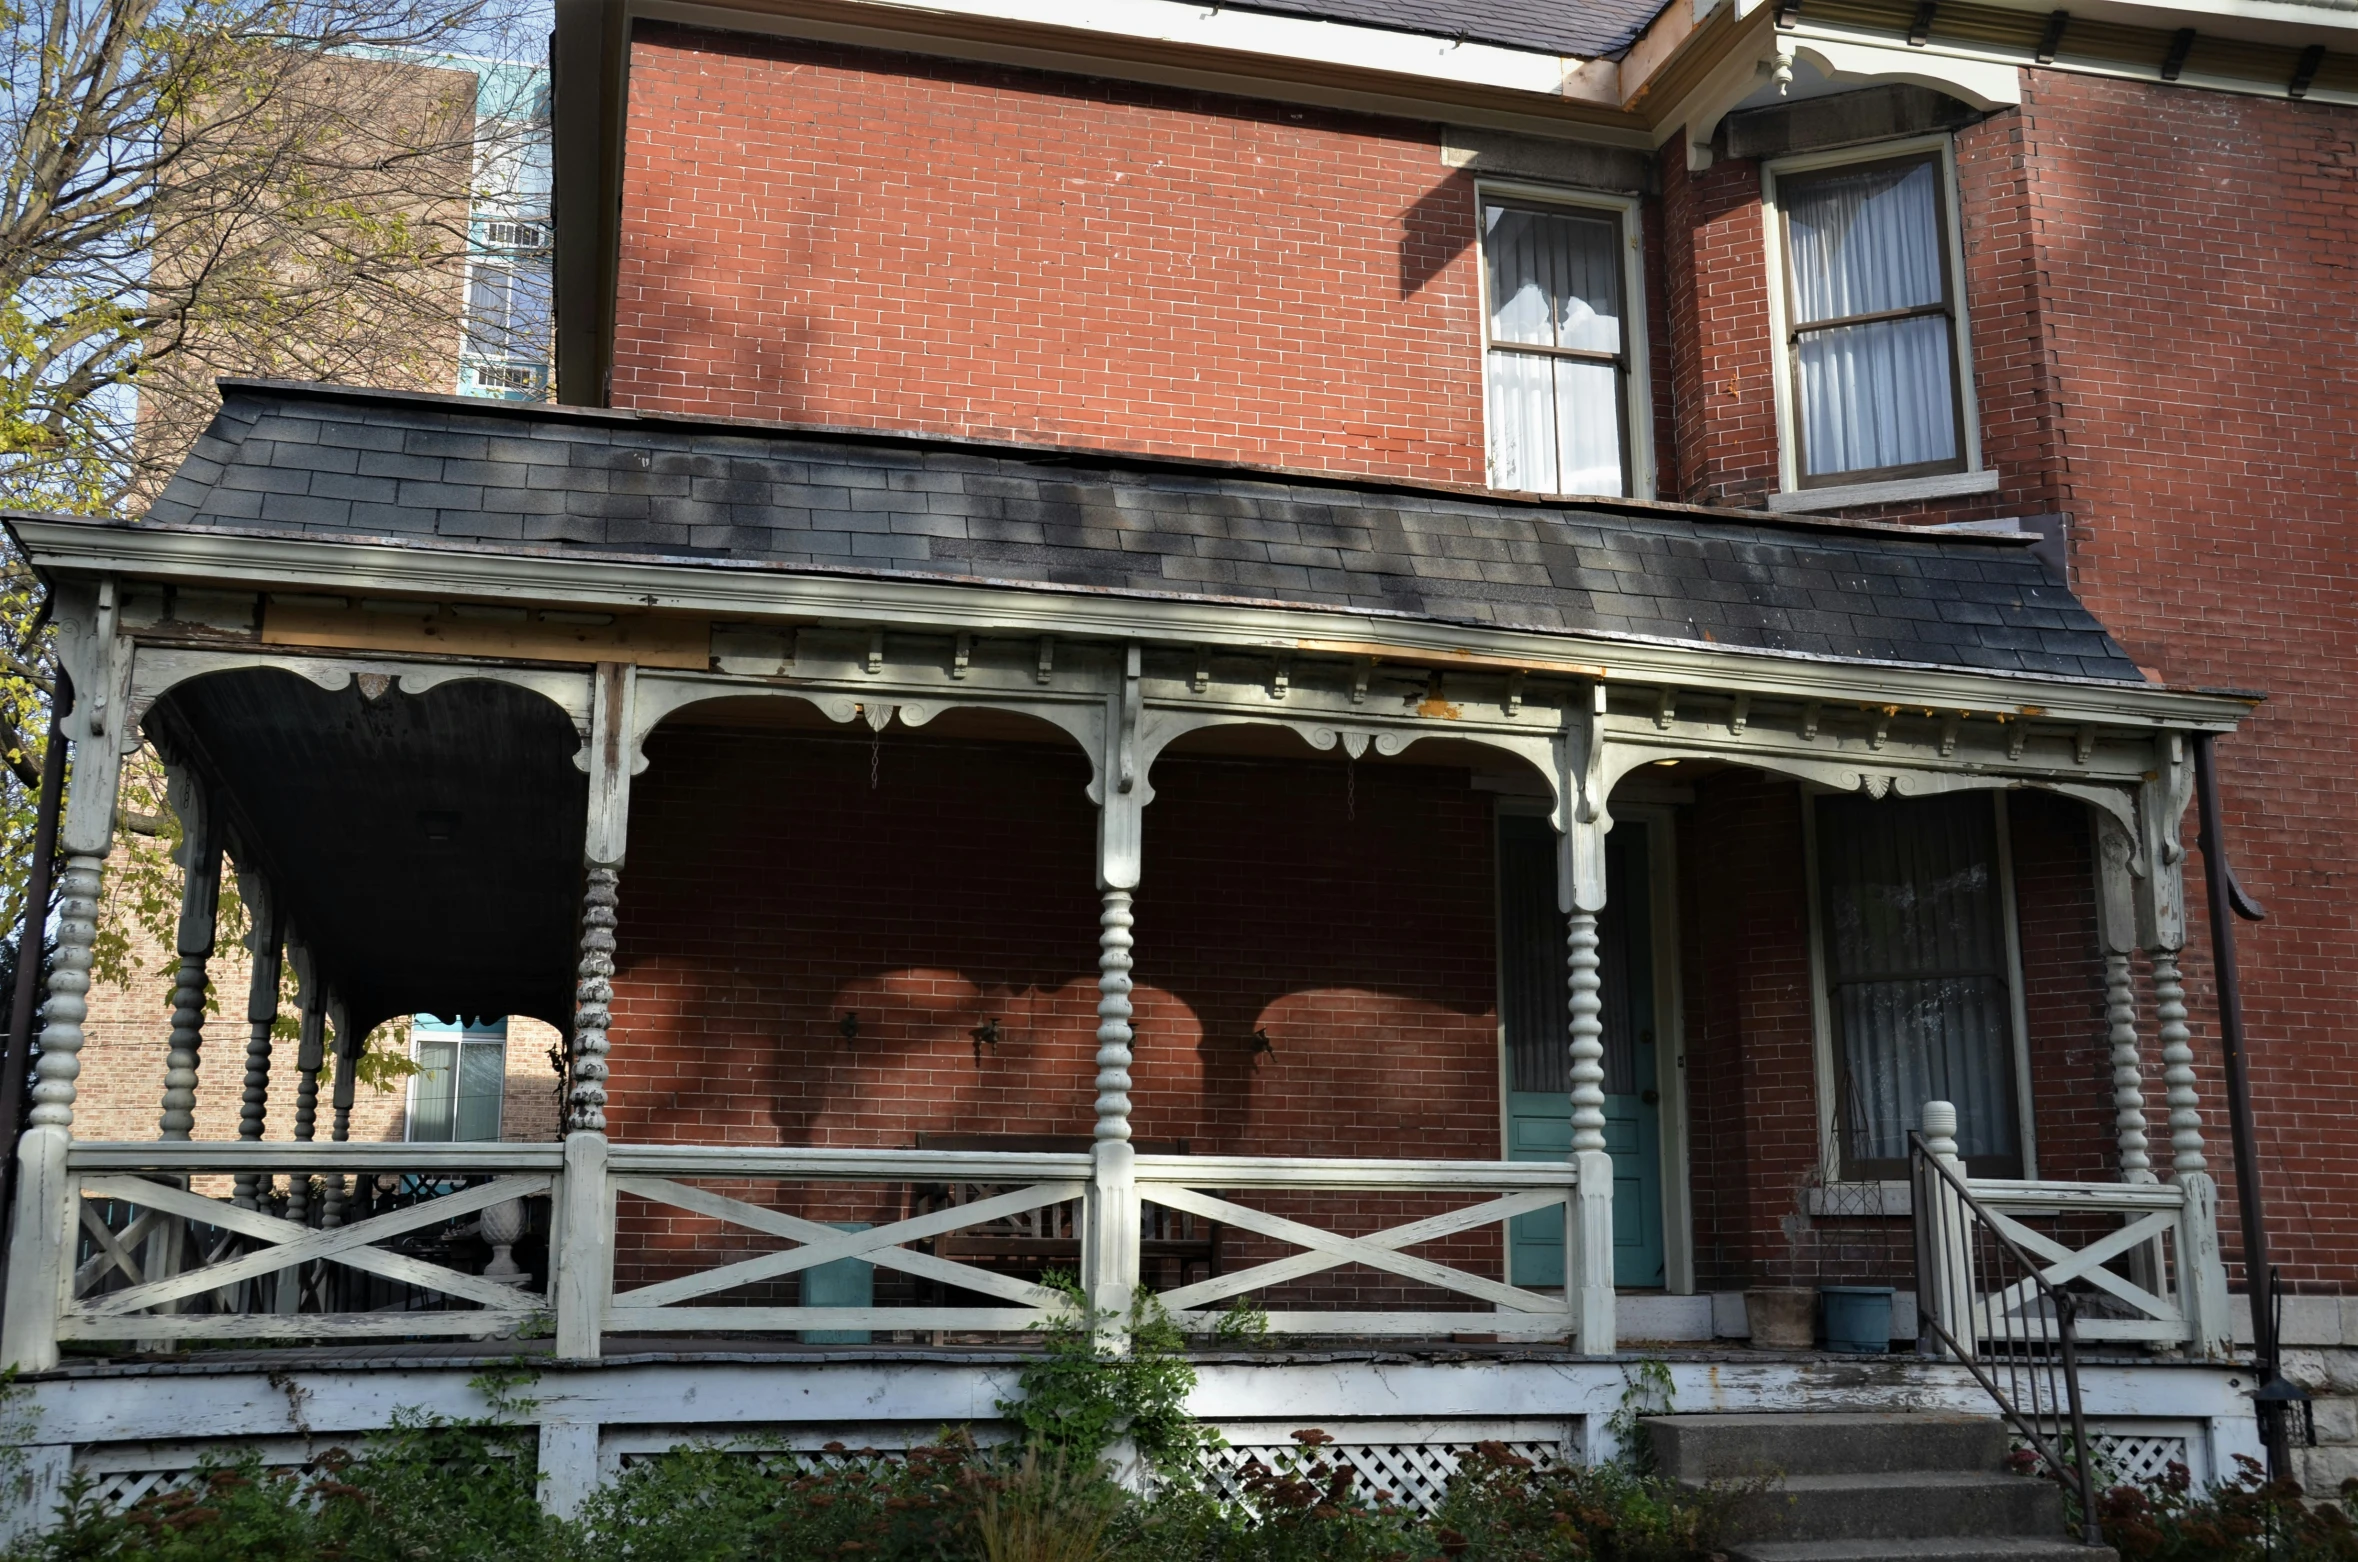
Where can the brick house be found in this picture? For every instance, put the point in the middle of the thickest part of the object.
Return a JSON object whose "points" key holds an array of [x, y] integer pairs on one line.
{"points": [[1158, 604]]}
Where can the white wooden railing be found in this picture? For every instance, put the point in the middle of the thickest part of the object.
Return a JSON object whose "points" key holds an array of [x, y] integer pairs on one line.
{"points": [[2173, 1295], [181, 1247], [1197, 1185], [164, 1255]]}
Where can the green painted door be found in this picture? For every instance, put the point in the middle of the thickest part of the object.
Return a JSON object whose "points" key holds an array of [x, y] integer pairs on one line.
{"points": [[1535, 1006]]}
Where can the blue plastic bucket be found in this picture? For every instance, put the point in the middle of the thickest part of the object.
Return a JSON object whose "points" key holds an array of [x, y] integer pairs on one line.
{"points": [[1858, 1318]]}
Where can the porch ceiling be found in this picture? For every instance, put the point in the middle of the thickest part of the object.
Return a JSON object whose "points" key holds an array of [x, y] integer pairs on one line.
{"points": [[427, 847]]}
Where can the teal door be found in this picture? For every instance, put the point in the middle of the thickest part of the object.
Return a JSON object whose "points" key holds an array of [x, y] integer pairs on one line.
{"points": [[1535, 1006]]}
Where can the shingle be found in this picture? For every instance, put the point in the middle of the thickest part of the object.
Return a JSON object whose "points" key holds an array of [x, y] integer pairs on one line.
{"points": [[330, 462]]}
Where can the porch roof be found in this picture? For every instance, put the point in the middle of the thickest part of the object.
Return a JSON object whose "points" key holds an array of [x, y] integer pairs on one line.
{"points": [[526, 478]]}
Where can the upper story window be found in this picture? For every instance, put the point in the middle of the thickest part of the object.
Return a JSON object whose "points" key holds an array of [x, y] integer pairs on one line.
{"points": [[1872, 378], [1563, 351]]}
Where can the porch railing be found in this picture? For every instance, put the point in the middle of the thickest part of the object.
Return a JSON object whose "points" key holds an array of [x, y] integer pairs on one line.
{"points": [[153, 1243]]}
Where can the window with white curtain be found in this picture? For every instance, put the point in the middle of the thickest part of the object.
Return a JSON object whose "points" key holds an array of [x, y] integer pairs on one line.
{"points": [[461, 1078], [1919, 976], [1871, 317], [1557, 347]]}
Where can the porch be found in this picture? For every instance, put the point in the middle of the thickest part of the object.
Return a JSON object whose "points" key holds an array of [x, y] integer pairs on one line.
{"points": [[543, 754]]}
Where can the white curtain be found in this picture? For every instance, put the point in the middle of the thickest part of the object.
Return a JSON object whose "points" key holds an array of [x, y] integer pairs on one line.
{"points": [[1882, 393], [1555, 281], [1916, 957]]}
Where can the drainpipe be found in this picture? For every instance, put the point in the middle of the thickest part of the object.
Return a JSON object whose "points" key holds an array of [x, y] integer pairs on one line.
{"points": [[17, 1058], [2226, 901]]}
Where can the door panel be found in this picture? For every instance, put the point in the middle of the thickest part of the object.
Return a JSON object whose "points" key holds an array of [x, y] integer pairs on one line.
{"points": [[1536, 1012]]}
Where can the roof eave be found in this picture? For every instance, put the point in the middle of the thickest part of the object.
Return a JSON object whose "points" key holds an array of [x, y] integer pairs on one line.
{"points": [[63, 548]]}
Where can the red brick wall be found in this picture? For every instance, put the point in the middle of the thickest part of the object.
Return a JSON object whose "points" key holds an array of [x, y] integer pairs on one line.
{"points": [[825, 235], [1751, 1091], [770, 891], [2201, 314]]}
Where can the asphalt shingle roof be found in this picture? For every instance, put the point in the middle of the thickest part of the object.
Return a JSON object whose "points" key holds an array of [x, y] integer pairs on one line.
{"points": [[315, 460], [1590, 29]]}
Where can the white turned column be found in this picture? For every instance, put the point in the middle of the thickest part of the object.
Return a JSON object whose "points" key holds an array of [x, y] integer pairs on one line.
{"points": [[45, 1226], [2128, 1070], [593, 998], [1113, 1215], [200, 901], [581, 1263], [1949, 1289], [261, 1019], [2177, 1048], [1580, 895], [1588, 1033]]}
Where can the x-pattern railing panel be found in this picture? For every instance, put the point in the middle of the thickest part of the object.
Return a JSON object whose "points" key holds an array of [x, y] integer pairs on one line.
{"points": [[1380, 1250], [657, 1305], [123, 1314], [2000, 1313]]}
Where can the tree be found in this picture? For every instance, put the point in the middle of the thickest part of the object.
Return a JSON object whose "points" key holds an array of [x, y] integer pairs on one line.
{"points": [[196, 188]]}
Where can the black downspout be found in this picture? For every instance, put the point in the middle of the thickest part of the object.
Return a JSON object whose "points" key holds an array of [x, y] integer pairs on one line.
{"points": [[31, 939], [2226, 901]]}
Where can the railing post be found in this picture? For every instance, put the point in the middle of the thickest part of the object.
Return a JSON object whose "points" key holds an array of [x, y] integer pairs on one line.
{"points": [[1948, 1289], [2202, 1271], [41, 1243]]}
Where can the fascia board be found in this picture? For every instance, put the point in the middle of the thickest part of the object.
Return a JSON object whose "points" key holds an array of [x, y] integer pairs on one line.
{"points": [[744, 591], [1327, 64]]}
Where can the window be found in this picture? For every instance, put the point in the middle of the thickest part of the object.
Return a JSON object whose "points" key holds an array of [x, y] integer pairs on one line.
{"points": [[1874, 388], [1560, 337], [462, 1072], [508, 311], [1919, 975]]}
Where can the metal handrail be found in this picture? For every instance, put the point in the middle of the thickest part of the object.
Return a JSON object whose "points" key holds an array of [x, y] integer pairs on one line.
{"points": [[2023, 1411]]}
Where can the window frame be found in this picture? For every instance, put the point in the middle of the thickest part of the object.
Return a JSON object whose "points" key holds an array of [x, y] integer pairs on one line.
{"points": [[1831, 1162], [464, 1038], [1964, 472], [1634, 359]]}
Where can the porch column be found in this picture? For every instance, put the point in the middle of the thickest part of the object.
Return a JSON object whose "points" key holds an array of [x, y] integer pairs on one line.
{"points": [[344, 1047], [1580, 894], [268, 935], [1110, 1234], [582, 1272], [200, 903], [2116, 929], [2161, 927], [46, 1220], [310, 1054]]}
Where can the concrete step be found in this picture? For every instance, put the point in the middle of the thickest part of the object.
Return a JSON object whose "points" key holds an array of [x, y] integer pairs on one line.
{"points": [[1990, 1548], [1714, 1447], [1906, 1505]]}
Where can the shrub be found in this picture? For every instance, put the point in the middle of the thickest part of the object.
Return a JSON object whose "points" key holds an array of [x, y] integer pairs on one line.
{"points": [[2247, 1519]]}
